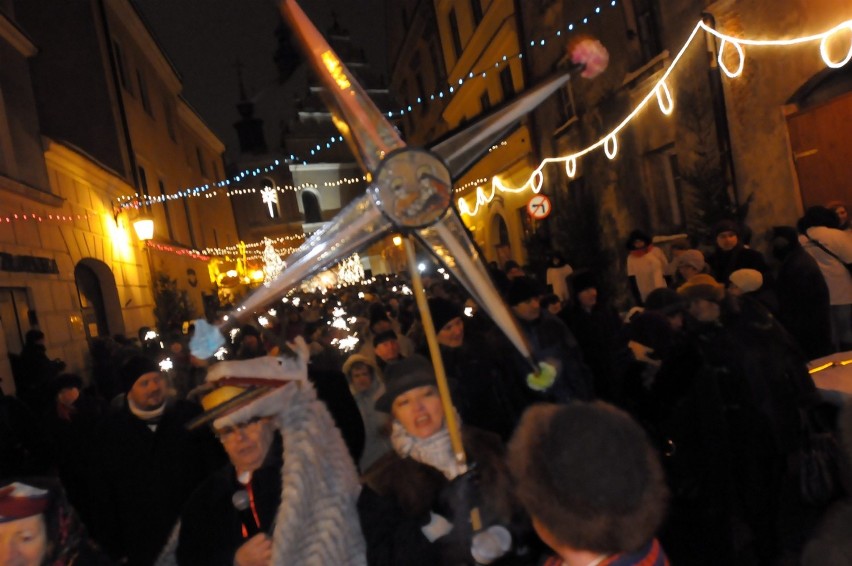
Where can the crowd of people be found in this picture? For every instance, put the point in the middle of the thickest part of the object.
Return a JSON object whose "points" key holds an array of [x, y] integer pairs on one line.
{"points": [[672, 432]]}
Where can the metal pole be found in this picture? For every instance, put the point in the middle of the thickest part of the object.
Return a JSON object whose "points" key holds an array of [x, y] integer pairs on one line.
{"points": [[438, 365]]}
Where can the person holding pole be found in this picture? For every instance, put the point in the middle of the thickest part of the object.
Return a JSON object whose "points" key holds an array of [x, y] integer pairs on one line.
{"points": [[418, 502]]}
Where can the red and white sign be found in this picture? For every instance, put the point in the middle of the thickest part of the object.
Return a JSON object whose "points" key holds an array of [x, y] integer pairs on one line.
{"points": [[539, 207]]}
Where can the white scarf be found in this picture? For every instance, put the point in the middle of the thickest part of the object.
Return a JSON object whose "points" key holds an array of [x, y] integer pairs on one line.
{"points": [[151, 418], [435, 451]]}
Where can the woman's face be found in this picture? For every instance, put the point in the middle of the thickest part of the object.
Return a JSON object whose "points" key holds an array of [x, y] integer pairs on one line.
{"points": [[419, 411], [23, 542]]}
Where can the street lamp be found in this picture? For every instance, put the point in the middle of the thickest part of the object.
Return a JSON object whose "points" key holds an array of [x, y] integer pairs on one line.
{"points": [[144, 227]]}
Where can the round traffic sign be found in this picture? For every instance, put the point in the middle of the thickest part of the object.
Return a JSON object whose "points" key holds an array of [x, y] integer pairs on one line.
{"points": [[539, 207]]}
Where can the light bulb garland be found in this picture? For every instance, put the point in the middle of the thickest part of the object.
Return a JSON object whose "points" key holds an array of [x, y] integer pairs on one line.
{"points": [[11, 218], [209, 190], [665, 102], [194, 254]]}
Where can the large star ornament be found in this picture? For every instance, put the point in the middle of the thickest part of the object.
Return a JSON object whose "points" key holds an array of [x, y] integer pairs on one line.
{"points": [[410, 188]]}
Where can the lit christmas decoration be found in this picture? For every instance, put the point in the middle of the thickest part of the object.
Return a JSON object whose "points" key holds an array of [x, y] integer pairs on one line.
{"points": [[270, 197], [221, 353], [346, 344], [350, 271], [233, 334], [150, 335], [166, 365], [468, 312], [263, 321], [272, 263], [272, 312], [659, 91]]}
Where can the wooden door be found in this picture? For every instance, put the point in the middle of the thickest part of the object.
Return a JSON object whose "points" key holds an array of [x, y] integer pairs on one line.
{"points": [[822, 153]]}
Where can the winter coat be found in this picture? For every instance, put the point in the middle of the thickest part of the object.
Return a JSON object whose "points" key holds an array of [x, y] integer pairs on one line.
{"points": [[146, 477], [211, 527], [803, 303], [723, 263], [399, 494]]}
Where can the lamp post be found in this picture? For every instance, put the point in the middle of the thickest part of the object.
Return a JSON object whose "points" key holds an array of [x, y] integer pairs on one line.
{"points": [[144, 228]]}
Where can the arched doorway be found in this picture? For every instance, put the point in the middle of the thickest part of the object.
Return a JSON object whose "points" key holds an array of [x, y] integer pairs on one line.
{"points": [[311, 206], [500, 240], [98, 296]]}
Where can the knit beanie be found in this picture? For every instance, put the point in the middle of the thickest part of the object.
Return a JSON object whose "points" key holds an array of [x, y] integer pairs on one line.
{"points": [[702, 286], [521, 289], [443, 311], [692, 258], [726, 226], [582, 280], [636, 236], [748, 280], [134, 368], [384, 337]]}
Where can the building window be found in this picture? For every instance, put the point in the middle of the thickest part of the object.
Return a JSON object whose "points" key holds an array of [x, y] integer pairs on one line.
{"points": [[162, 186], [311, 206], [121, 64], [664, 189], [476, 10], [506, 82], [644, 27], [16, 316], [567, 104], [455, 36], [169, 114], [143, 92], [201, 166], [143, 188], [186, 211], [485, 101]]}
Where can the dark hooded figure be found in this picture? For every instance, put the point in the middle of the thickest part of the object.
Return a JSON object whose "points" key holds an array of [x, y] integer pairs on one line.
{"points": [[803, 300]]}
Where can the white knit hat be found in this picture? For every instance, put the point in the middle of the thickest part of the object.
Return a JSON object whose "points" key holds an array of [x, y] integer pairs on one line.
{"points": [[748, 280]]}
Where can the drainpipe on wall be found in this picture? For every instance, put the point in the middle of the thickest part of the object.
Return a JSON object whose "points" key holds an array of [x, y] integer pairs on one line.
{"points": [[720, 110]]}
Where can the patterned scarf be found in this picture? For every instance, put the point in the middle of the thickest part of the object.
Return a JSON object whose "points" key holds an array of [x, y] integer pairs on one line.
{"points": [[435, 451]]}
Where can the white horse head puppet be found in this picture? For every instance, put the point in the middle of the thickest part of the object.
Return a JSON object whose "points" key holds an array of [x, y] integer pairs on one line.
{"points": [[317, 521]]}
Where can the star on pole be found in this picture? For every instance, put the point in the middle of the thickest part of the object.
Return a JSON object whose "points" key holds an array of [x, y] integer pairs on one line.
{"points": [[410, 189]]}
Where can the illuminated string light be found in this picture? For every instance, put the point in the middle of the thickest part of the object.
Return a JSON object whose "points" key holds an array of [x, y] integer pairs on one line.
{"points": [[661, 92], [209, 190], [194, 254], [10, 218]]}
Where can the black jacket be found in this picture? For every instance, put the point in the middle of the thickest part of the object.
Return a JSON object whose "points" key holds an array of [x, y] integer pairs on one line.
{"points": [[146, 477]]}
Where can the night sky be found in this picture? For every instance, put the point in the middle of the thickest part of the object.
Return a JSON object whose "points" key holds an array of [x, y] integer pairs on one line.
{"points": [[204, 39]]}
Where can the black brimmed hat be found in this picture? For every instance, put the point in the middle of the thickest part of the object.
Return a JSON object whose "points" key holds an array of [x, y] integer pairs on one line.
{"points": [[402, 376]]}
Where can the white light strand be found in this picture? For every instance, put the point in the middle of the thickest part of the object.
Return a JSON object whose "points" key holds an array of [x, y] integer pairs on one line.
{"points": [[661, 92], [209, 190]]}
